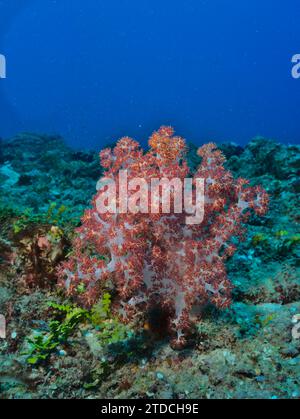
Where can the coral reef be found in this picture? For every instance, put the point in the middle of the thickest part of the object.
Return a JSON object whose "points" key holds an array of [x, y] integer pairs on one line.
{"points": [[244, 351]]}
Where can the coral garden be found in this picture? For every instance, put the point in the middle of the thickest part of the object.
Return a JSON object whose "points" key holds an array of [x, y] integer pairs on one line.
{"points": [[93, 302]]}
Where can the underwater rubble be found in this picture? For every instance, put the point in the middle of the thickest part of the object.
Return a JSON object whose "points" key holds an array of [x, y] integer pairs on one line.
{"points": [[55, 349]]}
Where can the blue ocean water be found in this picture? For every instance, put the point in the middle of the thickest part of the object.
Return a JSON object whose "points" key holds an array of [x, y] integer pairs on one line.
{"points": [[96, 70]]}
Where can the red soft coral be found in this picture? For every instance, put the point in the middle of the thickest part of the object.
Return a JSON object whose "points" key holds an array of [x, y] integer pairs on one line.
{"points": [[156, 259]]}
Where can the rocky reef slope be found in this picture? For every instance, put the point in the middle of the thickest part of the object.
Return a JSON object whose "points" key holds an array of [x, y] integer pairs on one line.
{"points": [[247, 351]]}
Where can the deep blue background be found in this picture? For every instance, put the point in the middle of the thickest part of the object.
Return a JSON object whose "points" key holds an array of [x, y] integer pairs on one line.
{"points": [[95, 70]]}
